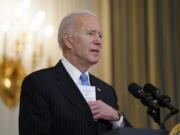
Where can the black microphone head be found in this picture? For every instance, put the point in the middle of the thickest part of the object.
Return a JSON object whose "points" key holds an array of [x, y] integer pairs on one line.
{"points": [[149, 88], [134, 89], [138, 92]]}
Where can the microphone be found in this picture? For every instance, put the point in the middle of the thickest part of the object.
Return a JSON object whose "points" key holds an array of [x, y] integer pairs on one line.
{"points": [[163, 100], [147, 100], [139, 93]]}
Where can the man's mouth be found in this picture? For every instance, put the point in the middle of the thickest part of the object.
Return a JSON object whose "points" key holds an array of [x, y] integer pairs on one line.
{"points": [[95, 50]]}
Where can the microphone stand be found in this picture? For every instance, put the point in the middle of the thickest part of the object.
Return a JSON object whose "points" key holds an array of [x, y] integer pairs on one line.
{"points": [[171, 113], [165, 101], [153, 110], [155, 113]]}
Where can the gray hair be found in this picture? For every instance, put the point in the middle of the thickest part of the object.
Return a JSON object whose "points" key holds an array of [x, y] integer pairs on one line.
{"points": [[68, 24]]}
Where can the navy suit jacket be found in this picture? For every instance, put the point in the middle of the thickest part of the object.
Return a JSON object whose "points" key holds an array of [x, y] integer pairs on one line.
{"points": [[51, 104]]}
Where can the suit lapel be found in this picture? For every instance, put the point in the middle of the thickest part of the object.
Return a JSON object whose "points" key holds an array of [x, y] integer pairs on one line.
{"points": [[71, 91], [99, 90]]}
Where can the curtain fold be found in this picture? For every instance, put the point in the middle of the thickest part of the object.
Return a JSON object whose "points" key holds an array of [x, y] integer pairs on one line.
{"points": [[104, 68]]}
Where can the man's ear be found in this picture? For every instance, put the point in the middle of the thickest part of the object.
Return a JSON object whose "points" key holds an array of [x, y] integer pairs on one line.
{"points": [[68, 40]]}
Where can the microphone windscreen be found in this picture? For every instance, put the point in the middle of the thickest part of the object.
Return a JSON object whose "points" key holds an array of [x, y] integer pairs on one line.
{"points": [[149, 88], [134, 89]]}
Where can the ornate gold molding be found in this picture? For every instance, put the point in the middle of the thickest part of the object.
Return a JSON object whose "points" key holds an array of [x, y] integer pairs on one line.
{"points": [[175, 130], [11, 74]]}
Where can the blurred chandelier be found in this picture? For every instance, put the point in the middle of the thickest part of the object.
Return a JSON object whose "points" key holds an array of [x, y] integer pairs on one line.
{"points": [[11, 75], [12, 69]]}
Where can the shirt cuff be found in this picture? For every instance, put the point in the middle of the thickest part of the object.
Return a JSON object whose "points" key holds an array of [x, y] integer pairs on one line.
{"points": [[119, 123]]}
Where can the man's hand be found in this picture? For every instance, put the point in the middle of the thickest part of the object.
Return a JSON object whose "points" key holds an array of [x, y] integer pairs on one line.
{"points": [[101, 110]]}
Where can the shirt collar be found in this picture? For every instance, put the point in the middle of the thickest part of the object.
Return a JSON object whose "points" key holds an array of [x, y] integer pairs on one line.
{"points": [[73, 71]]}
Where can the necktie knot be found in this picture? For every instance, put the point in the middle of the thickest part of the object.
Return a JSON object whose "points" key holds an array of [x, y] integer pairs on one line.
{"points": [[84, 79]]}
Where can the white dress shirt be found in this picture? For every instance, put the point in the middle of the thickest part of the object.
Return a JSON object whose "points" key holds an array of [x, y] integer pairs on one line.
{"points": [[75, 74]]}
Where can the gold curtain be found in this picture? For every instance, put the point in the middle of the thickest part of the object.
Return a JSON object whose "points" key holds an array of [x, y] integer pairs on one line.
{"points": [[104, 68], [145, 38]]}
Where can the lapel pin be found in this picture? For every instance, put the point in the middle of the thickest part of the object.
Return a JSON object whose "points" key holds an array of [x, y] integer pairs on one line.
{"points": [[98, 89]]}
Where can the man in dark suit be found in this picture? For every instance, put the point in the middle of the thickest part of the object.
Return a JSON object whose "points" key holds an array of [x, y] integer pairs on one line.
{"points": [[67, 99]]}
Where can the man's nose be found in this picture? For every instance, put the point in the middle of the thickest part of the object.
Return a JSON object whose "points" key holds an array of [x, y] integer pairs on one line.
{"points": [[98, 40]]}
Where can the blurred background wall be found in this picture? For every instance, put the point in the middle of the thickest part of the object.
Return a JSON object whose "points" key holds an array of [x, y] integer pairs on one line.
{"points": [[141, 40]]}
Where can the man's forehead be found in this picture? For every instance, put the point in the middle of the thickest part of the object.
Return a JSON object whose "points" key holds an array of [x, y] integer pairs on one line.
{"points": [[88, 21], [82, 18]]}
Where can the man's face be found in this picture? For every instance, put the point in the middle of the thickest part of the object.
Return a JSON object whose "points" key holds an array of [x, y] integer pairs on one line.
{"points": [[86, 40]]}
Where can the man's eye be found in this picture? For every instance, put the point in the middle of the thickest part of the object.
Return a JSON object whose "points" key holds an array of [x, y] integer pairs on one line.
{"points": [[100, 36], [90, 33]]}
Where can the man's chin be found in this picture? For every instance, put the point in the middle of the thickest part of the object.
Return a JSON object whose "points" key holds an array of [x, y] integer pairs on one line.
{"points": [[94, 61]]}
